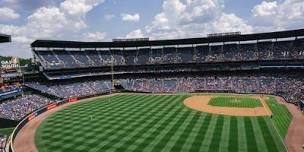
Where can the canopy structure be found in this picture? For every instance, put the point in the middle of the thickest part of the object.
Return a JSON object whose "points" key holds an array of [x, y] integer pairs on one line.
{"points": [[188, 41], [5, 38]]}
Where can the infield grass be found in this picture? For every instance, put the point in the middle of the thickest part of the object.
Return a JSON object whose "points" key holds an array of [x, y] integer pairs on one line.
{"points": [[153, 123], [235, 101]]}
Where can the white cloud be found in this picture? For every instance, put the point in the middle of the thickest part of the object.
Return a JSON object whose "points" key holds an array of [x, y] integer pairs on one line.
{"points": [[130, 17], [231, 23], [79, 7], [193, 18], [97, 36], [273, 15], [68, 19], [265, 9], [135, 34], [8, 14]]}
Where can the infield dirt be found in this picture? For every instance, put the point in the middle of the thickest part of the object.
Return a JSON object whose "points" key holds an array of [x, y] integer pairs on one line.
{"points": [[200, 103]]}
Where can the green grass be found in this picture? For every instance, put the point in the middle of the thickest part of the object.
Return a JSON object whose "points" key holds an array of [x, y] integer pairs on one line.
{"points": [[280, 115], [6, 131], [152, 123], [235, 101]]}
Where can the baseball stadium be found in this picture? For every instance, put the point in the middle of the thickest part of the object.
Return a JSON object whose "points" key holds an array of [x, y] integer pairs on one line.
{"points": [[227, 92]]}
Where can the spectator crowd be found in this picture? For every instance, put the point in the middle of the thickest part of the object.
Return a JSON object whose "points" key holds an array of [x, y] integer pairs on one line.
{"points": [[291, 88], [73, 89], [17, 108], [269, 50]]}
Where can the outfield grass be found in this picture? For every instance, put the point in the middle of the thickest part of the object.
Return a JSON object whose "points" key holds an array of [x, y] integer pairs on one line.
{"points": [[235, 101], [152, 123], [6, 131], [281, 116]]}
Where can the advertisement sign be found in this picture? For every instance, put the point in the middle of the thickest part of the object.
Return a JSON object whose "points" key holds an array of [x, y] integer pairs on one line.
{"points": [[72, 99]]}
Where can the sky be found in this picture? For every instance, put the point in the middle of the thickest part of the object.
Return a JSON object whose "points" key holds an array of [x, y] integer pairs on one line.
{"points": [[103, 20]]}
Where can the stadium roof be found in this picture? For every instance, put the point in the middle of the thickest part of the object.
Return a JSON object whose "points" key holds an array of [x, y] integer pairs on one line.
{"points": [[231, 38], [5, 38]]}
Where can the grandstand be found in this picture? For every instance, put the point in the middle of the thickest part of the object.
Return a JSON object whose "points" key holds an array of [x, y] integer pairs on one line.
{"points": [[67, 71], [269, 63]]}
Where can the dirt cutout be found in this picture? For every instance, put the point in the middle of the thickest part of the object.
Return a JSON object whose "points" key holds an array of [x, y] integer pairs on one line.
{"points": [[200, 103]]}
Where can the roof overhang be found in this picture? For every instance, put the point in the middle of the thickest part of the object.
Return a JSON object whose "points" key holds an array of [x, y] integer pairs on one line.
{"points": [[202, 40]]}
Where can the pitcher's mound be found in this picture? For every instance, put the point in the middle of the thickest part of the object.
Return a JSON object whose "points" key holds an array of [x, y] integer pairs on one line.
{"points": [[200, 103]]}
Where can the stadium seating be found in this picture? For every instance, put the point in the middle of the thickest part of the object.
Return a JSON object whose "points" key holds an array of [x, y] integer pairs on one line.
{"points": [[72, 89], [290, 88], [16, 109], [283, 50]]}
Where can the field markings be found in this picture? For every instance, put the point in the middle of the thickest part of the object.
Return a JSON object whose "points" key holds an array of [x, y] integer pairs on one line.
{"points": [[265, 106], [267, 135], [276, 135]]}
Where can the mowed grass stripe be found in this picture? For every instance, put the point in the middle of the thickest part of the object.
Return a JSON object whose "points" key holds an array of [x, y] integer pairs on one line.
{"points": [[233, 135], [186, 133], [56, 127], [271, 146], [191, 135], [150, 136], [250, 136], [216, 139], [105, 130], [72, 113], [82, 119], [125, 130], [141, 137], [224, 141], [170, 130], [73, 132], [123, 122], [242, 135], [137, 129], [262, 147], [198, 141]]}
